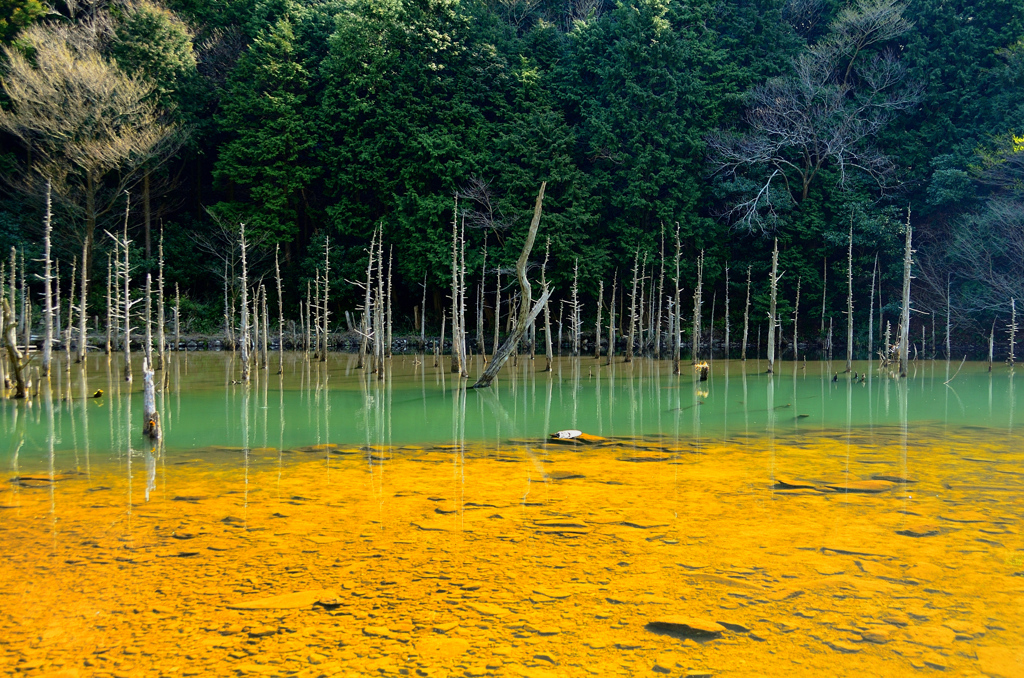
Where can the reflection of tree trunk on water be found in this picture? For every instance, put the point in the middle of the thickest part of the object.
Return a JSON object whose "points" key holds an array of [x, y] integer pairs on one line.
{"points": [[771, 428], [50, 440]]}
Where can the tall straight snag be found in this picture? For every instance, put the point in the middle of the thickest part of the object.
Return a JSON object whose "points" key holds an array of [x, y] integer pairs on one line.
{"points": [[632, 310], [677, 340], [908, 254], [245, 307], [849, 301], [597, 324], [660, 298], [796, 318], [47, 292], [324, 313], [126, 274], [110, 309], [280, 311], [548, 354], [871, 312], [727, 311], [161, 333], [698, 300], [611, 318], [746, 319], [772, 316], [527, 313]]}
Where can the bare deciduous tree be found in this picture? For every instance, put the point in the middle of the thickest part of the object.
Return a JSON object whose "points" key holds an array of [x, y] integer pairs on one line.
{"points": [[824, 114]]}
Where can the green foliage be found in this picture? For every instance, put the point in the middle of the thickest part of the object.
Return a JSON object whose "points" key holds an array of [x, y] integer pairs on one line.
{"points": [[16, 14]]}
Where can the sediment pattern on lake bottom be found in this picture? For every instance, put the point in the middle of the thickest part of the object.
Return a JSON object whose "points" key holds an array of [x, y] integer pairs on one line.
{"points": [[823, 553]]}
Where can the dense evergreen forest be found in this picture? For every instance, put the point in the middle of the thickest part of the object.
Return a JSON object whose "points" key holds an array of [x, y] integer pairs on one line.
{"points": [[735, 123]]}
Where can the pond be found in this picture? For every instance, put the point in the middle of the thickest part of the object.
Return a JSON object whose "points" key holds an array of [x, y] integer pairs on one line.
{"points": [[322, 522]]}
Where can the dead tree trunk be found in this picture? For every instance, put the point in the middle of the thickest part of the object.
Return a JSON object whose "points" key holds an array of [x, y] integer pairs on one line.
{"points": [[324, 314], [148, 348], [378, 316], [871, 312], [849, 302], [161, 317], [456, 366], [26, 309], [661, 298], [727, 312], [71, 314], [548, 354], [772, 321], [991, 344], [481, 347], [597, 324], [16, 359], [632, 309], [47, 292], [280, 311], [364, 339], [574, 294], [177, 318], [796, 318], [746, 319], [948, 304], [126, 274], [423, 315], [83, 299], [1012, 357], [110, 309], [497, 311], [4, 384], [611, 317], [266, 327], [526, 313], [677, 326], [905, 317], [150, 415], [244, 333], [697, 301]]}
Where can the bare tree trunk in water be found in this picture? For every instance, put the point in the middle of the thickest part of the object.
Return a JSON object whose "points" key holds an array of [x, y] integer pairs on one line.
{"points": [[47, 292], [280, 312], [497, 310], [849, 302], [127, 275], [632, 310], [549, 356], [698, 300], [148, 348], [110, 306], [324, 313], [526, 313], [1012, 358], [611, 318], [150, 415], [177, 318], [905, 317], [991, 344], [244, 333], [16, 359], [796, 318], [364, 340], [871, 313], [746, 319], [677, 341], [727, 313], [71, 313], [161, 331], [597, 325], [4, 383], [772, 307], [423, 316]]}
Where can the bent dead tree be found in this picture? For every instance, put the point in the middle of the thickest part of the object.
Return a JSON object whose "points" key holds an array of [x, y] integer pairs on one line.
{"points": [[527, 314]]}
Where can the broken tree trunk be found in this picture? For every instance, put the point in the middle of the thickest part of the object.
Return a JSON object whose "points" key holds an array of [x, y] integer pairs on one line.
{"points": [[526, 313], [10, 333], [150, 416]]}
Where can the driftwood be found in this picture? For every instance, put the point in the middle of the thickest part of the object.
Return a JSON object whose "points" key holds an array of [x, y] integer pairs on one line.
{"points": [[526, 314]]}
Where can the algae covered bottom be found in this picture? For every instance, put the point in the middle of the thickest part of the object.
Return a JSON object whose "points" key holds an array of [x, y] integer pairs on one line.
{"points": [[773, 545]]}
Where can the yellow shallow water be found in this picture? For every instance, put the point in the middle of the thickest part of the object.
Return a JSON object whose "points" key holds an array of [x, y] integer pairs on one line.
{"points": [[526, 559]]}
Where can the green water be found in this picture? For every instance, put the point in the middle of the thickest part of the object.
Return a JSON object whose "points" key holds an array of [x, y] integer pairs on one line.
{"points": [[334, 402]]}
